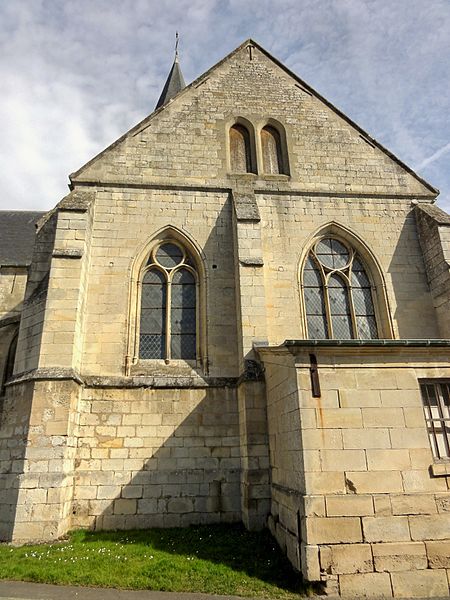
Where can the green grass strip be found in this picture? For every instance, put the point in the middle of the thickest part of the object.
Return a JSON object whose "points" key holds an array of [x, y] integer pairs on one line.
{"points": [[213, 559]]}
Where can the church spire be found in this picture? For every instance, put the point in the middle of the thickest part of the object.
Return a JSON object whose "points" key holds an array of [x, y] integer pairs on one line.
{"points": [[175, 81]]}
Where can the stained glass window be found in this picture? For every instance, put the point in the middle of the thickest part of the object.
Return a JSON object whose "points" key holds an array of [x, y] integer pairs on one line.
{"points": [[168, 323], [337, 293]]}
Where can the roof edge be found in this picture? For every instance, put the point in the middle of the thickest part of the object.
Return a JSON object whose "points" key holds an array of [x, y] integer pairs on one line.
{"points": [[142, 124], [249, 41]]}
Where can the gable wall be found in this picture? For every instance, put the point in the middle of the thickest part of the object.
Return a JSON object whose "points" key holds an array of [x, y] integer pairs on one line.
{"points": [[186, 141]]}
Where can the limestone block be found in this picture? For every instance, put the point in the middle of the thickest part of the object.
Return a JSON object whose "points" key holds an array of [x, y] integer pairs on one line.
{"points": [[343, 460], [433, 527], [393, 557], [359, 398], [366, 438], [376, 482], [333, 530], [343, 418], [351, 558], [386, 529], [421, 481], [328, 482], [420, 584], [383, 417], [382, 505], [125, 507], [438, 554], [413, 504], [388, 460], [366, 585], [350, 505]]}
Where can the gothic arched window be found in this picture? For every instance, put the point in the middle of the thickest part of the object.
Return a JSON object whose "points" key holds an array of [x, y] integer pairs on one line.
{"points": [[168, 322], [337, 293], [271, 151], [240, 149]]}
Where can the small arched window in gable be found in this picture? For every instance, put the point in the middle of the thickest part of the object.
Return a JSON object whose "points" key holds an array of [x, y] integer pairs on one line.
{"points": [[240, 149], [338, 295], [168, 323], [271, 151]]}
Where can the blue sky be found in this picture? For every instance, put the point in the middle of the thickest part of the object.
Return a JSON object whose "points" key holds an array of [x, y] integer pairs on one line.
{"points": [[76, 74]]}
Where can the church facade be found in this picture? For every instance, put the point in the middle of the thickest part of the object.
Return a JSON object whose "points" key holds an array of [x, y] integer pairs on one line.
{"points": [[240, 312]]}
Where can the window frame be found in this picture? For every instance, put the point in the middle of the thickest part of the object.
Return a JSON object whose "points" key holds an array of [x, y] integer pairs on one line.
{"points": [[168, 274], [354, 253], [252, 158], [430, 420]]}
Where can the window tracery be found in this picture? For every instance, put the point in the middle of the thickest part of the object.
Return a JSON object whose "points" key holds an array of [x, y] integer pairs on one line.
{"points": [[337, 292], [169, 306]]}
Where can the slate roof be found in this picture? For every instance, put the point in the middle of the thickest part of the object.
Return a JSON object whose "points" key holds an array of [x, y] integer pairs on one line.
{"points": [[174, 84], [17, 234]]}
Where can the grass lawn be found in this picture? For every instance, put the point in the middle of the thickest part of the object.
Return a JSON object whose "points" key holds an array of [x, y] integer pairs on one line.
{"points": [[213, 559]]}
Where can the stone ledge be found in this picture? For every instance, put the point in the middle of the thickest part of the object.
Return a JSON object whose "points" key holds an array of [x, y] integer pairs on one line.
{"points": [[67, 253], [440, 469]]}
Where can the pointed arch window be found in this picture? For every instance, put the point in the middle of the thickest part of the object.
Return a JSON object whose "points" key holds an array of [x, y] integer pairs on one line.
{"points": [[169, 305], [338, 295], [240, 149]]}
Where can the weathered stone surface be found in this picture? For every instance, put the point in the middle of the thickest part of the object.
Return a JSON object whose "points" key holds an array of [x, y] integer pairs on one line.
{"points": [[366, 585], [420, 584]]}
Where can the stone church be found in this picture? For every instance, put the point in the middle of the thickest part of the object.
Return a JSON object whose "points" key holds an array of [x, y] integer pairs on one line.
{"points": [[240, 312]]}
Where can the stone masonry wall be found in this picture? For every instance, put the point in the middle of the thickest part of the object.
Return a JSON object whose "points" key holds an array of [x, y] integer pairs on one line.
{"points": [[156, 458], [372, 504], [434, 234], [186, 142], [386, 227]]}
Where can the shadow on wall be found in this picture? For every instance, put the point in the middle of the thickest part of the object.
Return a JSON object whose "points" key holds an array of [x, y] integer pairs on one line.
{"points": [[14, 424], [158, 458], [410, 287]]}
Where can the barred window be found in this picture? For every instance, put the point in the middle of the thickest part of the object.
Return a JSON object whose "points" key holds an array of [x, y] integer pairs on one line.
{"points": [[337, 293], [436, 404], [168, 323]]}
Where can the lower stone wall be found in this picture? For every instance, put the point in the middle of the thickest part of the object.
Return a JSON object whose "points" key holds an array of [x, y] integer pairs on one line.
{"points": [[37, 450], [157, 458], [370, 512]]}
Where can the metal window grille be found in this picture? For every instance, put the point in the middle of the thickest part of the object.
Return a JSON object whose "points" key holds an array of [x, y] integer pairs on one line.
{"points": [[436, 404]]}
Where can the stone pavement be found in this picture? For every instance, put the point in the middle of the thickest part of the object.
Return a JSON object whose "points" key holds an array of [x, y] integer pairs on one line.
{"points": [[20, 590]]}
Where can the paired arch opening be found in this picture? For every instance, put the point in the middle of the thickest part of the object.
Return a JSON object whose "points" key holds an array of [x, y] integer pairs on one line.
{"points": [[270, 153]]}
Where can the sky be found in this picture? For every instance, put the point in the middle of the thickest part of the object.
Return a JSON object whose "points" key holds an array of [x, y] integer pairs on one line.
{"points": [[77, 74]]}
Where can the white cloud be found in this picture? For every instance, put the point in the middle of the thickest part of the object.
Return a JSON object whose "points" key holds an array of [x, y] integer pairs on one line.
{"points": [[76, 74]]}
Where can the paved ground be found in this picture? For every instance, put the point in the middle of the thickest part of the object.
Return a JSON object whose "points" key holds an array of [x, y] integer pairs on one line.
{"points": [[18, 590]]}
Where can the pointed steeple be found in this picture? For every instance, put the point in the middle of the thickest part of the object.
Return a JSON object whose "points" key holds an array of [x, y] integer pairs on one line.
{"points": [[175, 81]]}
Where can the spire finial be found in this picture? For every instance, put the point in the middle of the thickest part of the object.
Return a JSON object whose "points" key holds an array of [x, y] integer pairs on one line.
{"points": [[177, 39]]}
